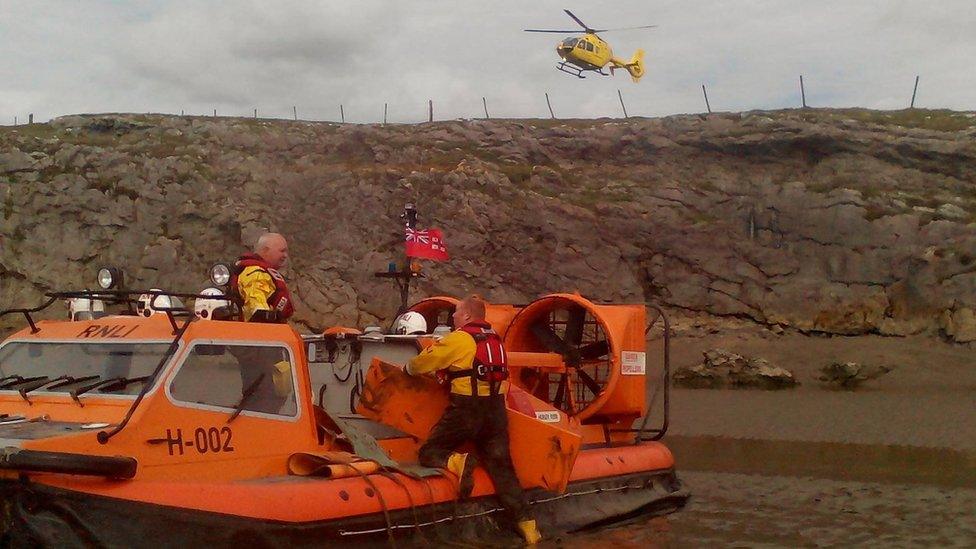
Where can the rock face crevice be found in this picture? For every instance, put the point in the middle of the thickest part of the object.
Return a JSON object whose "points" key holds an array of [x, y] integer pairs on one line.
{"points": [[843, 222]]}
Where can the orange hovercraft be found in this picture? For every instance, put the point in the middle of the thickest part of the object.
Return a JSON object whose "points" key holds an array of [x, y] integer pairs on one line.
{"points": [[163, 425]]}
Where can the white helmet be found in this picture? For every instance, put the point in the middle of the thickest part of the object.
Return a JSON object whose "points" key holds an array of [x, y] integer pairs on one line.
{"points": [[410, 323], [204, 307], [85, 308], [144, 305]]}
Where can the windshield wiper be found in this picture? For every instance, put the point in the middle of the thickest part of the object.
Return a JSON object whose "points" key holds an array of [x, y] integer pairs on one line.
{"points": [[20, 381], [60, 381], [244, 396], [120, 383], [114, 384], [6, 379], [64, 381], [31, 385]]}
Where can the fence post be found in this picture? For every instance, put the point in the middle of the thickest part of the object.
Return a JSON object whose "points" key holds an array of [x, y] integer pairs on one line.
{"points": [[915, 89], [15, 121], [342, 114], [803, 93], [181, 112], [294, 112], [255, 113], [30, 118], [707, 106], [215, 112], [430, 110], [550, 106], [622, 106], [485, 103], [384, 114]]}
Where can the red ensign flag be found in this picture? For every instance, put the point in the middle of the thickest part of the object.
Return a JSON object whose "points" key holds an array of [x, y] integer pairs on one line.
{"points": [[426, 244]]}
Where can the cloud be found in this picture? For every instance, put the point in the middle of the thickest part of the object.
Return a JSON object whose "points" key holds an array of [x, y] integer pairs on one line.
{"points": [[166, 56]]}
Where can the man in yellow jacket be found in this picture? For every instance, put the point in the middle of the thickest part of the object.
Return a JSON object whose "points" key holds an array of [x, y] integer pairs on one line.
{"points": [[473, 360], [264, 297], [263, 292]]}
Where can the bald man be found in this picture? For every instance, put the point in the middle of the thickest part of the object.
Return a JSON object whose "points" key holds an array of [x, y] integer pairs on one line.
{"points": [[263, 297], [262, 290], [473, 359]]}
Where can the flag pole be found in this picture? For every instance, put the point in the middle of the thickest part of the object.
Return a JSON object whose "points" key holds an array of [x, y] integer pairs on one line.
{"points": [[402, 276]]}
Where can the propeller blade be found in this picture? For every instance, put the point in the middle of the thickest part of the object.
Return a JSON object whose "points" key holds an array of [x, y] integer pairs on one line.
{"points": [[592, 351], [574, 325], [574, 31], [557, 401], [624, 28], [549, 339], [577, 19], [590, 383]]}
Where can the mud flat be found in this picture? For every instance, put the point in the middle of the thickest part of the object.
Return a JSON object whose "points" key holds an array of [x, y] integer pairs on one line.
{"points": [[890, 465], [736, 510]]}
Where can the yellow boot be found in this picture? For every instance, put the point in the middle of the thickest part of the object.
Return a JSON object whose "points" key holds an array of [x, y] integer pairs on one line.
{"points": [[462, 465], [530, 532]]}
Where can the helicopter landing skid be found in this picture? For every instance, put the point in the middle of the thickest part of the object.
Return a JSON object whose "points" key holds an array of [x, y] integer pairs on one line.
{"points": [[578, 73]]}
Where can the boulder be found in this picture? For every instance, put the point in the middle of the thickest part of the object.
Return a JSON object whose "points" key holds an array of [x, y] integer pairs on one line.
{"points": [[849, 375], [15, 161], [959, 324], [721, 368]]}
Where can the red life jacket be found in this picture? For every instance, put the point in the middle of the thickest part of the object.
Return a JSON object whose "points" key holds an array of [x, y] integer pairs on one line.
{"points": [[280, 300], [490, 361]]}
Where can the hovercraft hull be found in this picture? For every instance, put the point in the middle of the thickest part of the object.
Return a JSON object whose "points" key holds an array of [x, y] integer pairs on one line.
{"points": [[36, 514]]}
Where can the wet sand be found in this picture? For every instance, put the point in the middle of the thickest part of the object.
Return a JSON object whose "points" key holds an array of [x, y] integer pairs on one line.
{"points": [[735, 510], [890, 465], [928, 400]]}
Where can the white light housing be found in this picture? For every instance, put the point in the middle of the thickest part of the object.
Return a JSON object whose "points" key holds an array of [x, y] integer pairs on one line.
{"points": [[204, 307], [109, 277], [220, 274]]}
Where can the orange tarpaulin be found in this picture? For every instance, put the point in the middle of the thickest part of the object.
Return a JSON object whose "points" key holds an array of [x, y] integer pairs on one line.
{"points": [[330, 464]]}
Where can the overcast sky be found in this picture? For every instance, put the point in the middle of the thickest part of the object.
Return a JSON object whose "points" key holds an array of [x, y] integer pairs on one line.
{"points": [[65, 57]]}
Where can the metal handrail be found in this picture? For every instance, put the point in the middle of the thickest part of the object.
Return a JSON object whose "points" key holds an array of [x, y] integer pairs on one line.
{"points": [[659, 432]]}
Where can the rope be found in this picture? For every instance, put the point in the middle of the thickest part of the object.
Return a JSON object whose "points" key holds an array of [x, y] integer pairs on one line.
{"points": [[386, 511], [413, 507]]}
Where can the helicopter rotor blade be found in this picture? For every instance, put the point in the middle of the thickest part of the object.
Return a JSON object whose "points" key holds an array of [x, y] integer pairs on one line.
{"points": [[624, 28], [577, 19], [574, 31]]}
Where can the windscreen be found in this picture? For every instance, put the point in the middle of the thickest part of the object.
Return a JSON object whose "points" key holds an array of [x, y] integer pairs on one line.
{"points": [[83, 362]]}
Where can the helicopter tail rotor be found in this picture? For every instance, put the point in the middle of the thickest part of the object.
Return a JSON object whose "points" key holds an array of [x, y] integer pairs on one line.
{"points": [[636, 65]]}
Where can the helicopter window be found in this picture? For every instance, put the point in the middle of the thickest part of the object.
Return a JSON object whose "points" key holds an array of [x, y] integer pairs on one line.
{"points": [[589, 47], [570, 42], [221, 379]]}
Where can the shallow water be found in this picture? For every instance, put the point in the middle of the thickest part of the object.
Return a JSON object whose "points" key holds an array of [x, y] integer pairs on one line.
{"points": [[761, 493]]}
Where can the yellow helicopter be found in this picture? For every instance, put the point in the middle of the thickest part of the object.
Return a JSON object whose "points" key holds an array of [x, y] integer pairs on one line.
{"points": [[591, 53]]}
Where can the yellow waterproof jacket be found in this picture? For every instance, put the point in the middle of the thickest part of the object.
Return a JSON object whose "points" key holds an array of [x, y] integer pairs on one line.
{"points": [[453, 352], [255, 287]]}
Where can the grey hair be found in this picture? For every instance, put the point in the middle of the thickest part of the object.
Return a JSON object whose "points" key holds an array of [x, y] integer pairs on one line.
{"points": [[264, 241]]}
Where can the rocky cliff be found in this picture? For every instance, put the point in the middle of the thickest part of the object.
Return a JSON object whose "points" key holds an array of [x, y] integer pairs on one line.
{"points": [[843, 222]]}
